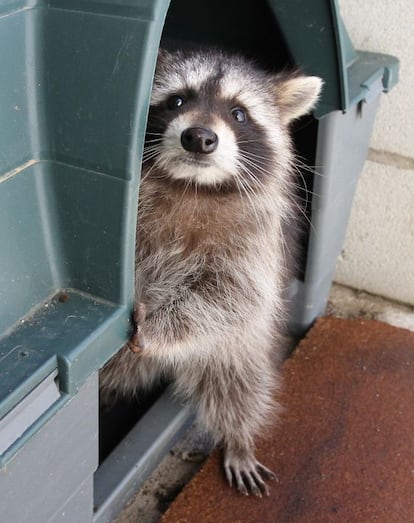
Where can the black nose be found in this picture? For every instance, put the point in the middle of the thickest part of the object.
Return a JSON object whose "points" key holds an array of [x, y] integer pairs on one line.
{"points": [[199, 140]]}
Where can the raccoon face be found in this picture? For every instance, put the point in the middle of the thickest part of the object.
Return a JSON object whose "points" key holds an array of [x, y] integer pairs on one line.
{"points": [[218, 121], [196, 143]]}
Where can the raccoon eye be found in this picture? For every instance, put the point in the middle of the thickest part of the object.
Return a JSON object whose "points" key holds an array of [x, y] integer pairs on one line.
{"points": [[239, 114], [175, 102]]}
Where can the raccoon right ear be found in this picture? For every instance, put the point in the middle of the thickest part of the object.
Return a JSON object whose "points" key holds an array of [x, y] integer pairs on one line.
{"points": [[297, 95]]}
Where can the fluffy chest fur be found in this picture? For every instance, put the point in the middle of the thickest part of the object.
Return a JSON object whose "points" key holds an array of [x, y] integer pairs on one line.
{"points": [[196, 239]]}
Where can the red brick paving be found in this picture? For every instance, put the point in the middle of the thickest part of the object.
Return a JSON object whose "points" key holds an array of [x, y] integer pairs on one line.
{"points": [[344, 447]]}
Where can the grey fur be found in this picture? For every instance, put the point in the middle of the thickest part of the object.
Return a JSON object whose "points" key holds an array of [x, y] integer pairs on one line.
{"points": [[210, 260]]}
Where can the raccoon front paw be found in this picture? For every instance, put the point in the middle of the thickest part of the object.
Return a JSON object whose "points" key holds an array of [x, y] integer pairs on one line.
{"points": [[136, 343], [248, 475]]}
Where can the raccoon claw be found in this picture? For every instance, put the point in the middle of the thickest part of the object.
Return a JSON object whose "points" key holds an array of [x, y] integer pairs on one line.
{"points": [[248, 476], [136, 343]]}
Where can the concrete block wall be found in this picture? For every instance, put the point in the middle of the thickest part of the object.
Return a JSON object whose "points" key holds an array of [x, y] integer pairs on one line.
{"points": [[378, 254]]}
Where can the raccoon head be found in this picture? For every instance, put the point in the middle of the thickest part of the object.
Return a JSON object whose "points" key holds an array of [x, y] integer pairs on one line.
{"points": [[217, 120]]}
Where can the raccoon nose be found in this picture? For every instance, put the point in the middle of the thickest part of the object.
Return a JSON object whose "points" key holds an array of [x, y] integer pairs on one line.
{"points": [[199, 140]]}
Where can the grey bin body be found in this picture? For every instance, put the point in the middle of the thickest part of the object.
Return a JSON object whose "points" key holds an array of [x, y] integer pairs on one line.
{"points": [[75, 86]]}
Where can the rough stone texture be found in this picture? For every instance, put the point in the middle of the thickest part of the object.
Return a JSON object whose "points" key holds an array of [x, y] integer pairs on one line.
{"points": [[350, 303], [344, 447]]}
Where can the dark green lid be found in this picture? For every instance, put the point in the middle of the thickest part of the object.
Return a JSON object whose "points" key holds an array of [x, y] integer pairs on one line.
{"points": [[320, 45]]}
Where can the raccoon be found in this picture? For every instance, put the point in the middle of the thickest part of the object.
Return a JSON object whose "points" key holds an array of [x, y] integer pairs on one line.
{"points": [[216, 188]]}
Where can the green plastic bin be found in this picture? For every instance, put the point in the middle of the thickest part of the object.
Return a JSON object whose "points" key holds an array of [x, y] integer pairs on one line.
{"points": [[75, 81], [75, 85]]}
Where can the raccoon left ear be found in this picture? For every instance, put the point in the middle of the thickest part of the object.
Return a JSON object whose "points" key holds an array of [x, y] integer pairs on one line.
{"points": [[297, 95]]}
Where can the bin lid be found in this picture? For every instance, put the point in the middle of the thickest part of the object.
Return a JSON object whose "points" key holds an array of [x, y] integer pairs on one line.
{"points": [[73, 111], [320, 45]]}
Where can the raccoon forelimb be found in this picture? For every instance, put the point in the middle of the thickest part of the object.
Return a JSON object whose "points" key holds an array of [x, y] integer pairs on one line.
{"points": [[136, 343]]}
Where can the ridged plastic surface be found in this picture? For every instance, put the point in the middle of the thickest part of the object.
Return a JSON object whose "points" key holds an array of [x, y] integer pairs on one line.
{"points": [[75, 83]]}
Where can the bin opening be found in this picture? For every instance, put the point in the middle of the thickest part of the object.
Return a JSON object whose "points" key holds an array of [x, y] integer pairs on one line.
{"points": [[241, 26], [253, 31], [117, 420], [234, 26]]}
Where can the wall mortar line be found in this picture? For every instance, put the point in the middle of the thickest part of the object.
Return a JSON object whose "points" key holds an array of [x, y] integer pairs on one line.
{"points": [[393, 159]]}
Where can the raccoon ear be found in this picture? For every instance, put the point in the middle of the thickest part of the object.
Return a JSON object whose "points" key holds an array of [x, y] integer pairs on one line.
{"points": [[297, 95]]}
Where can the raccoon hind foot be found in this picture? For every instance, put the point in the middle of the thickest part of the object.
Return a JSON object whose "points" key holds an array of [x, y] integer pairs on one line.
{"points": [[248, 475]]}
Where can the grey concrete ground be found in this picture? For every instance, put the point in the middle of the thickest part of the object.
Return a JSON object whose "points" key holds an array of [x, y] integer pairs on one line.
{"points": [[178, 467], [349, 303]]}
